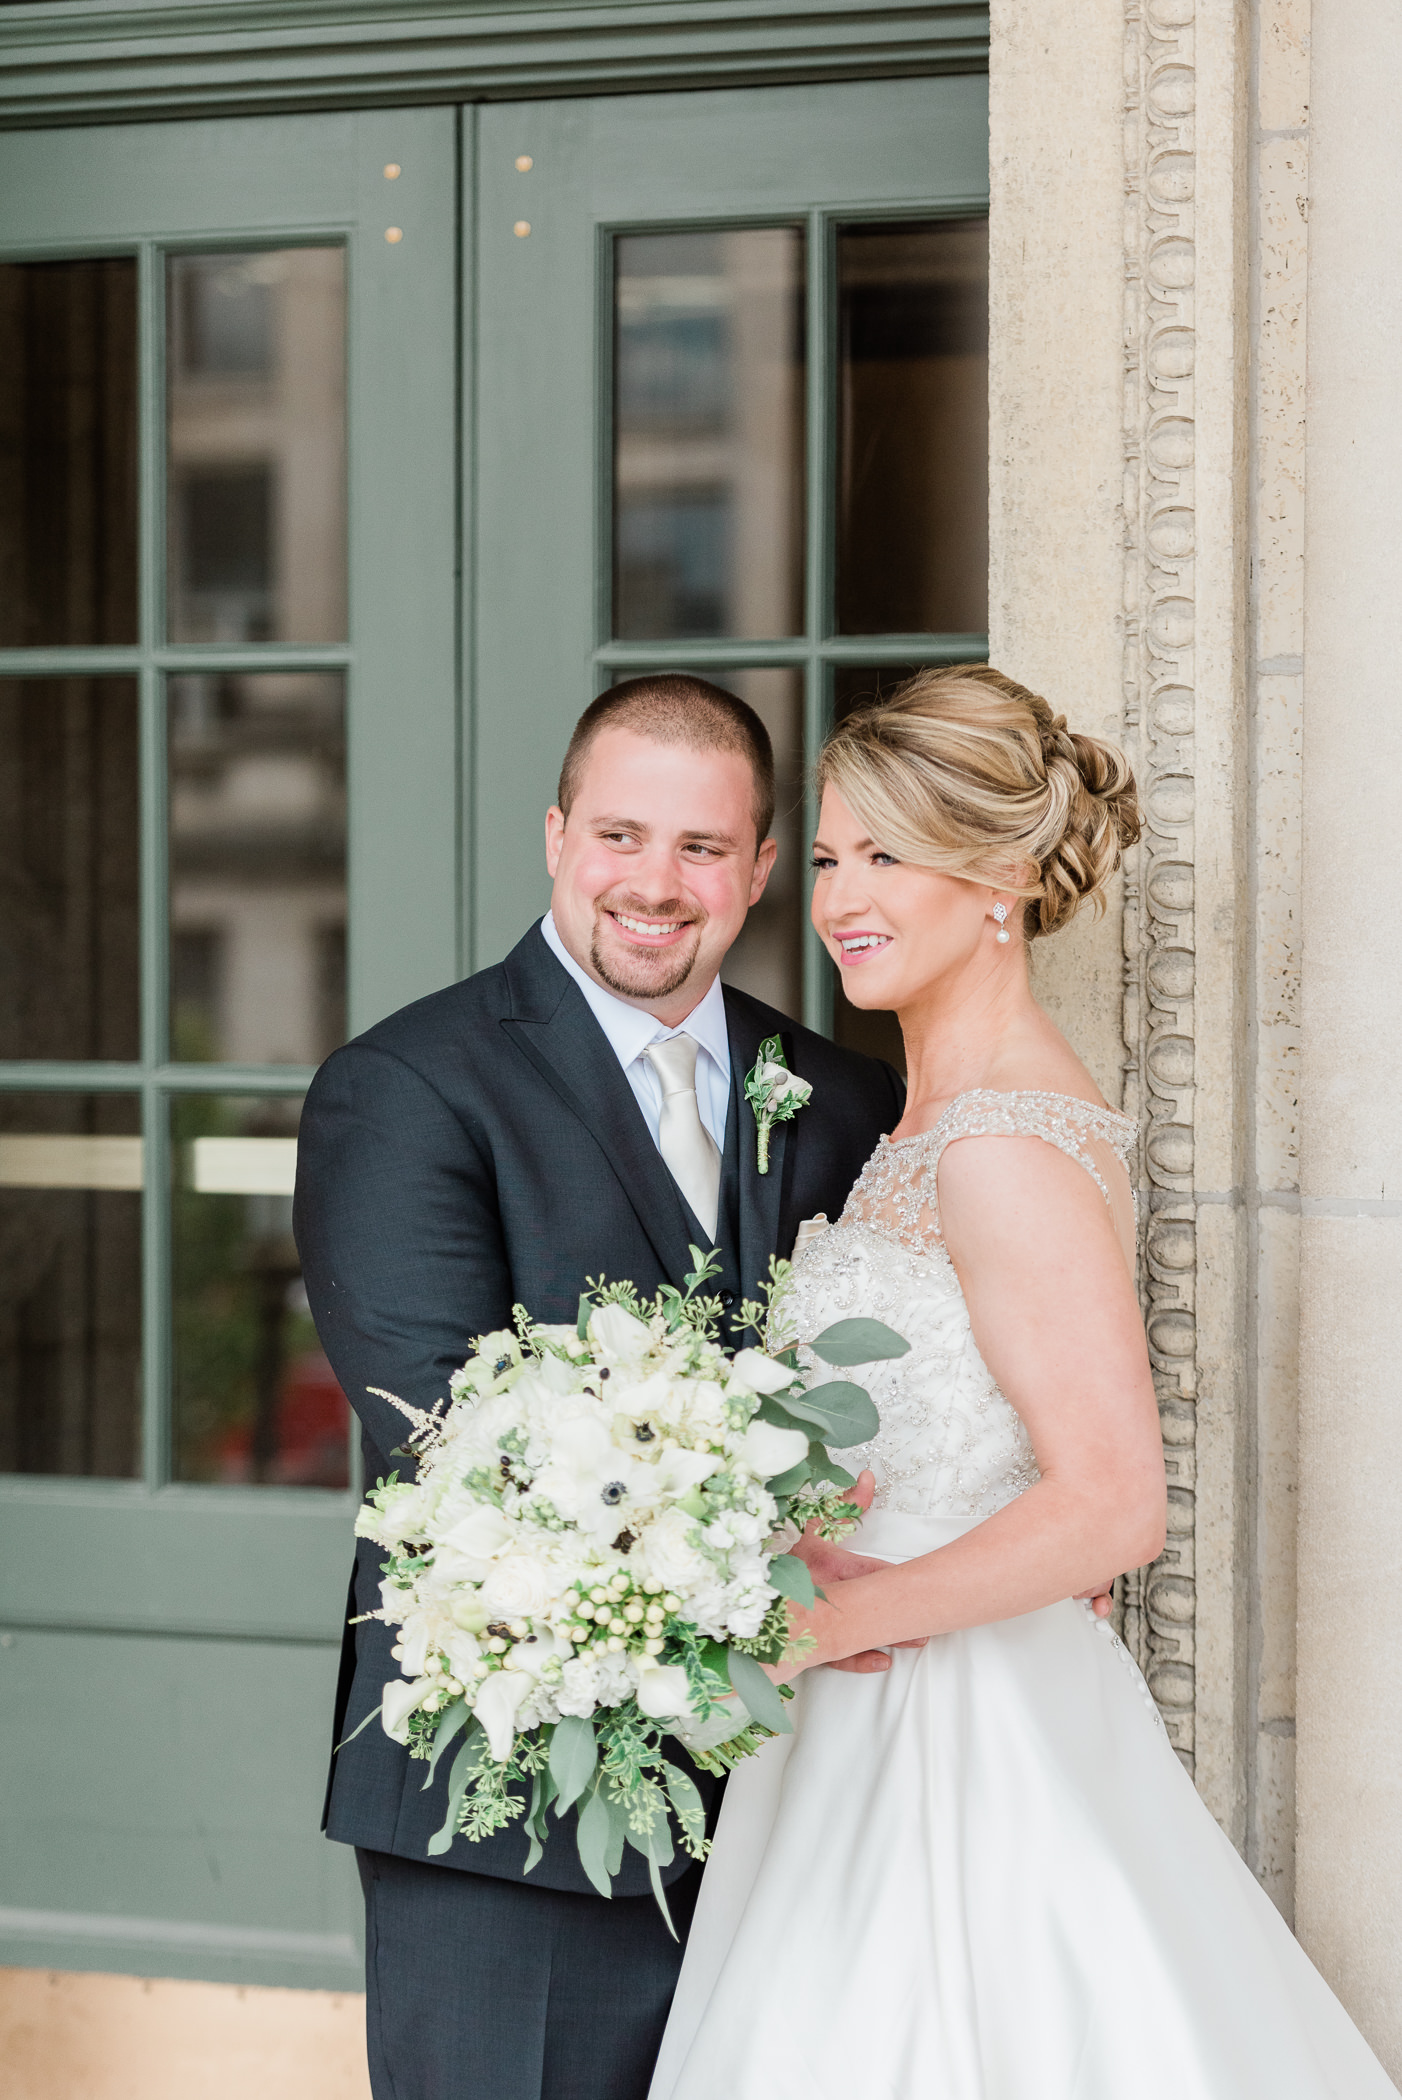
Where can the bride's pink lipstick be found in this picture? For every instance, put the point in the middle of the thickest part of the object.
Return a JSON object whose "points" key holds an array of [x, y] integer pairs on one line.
{"points": [[858, 944]]}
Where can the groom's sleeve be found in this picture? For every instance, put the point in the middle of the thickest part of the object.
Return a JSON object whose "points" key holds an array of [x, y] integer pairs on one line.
{"points": [[396, 1221]]}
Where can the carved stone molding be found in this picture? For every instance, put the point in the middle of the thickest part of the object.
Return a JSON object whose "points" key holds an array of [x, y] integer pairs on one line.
{"points": [[1159, 1604]]}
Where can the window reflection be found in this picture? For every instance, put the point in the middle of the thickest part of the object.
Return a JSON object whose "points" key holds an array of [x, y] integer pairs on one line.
{"points": [[254, 1398], [912, 537], [257, 866], [68, 868], [257, 496], [708, 433], [68, 535], [70, 1284]]}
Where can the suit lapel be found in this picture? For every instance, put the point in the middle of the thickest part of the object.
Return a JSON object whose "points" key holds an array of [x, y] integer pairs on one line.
{"points": [[550, 1023], [761, 1195]]}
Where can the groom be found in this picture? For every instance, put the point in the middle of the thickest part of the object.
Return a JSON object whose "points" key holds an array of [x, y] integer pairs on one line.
{"points": [[577, 1110]]}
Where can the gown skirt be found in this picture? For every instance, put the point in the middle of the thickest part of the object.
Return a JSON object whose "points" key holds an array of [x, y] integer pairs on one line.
{"points": [[985, 1875]]}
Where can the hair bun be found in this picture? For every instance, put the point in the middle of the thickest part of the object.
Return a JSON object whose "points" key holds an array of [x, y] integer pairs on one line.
{"points": [[966, 770]]}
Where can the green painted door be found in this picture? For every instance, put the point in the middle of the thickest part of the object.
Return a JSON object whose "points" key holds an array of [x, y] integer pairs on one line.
{"points": [[731, 416], [229, 823]]}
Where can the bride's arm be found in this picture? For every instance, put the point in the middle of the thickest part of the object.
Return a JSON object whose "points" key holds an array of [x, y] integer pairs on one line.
{"points": [[1056, 1319]]}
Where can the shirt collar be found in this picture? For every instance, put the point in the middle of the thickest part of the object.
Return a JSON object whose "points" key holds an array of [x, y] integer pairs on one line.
{"points": [[628, 1028]]}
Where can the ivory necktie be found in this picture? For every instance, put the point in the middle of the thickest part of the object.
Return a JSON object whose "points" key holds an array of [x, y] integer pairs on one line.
{"points": [[689, 1150]]}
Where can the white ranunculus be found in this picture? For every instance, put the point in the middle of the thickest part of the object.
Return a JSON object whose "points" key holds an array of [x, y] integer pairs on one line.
{"points": [[402, 1698], [617, 1335], [768, 1450], [663, 1692], [403, 1509], [498, 1699], [519, 1587], [759, 1373], [482, 1533], [665, 1550]]}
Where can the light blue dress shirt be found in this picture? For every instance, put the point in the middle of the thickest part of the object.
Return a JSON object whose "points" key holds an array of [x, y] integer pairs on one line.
{"points": [[629, 1031]]}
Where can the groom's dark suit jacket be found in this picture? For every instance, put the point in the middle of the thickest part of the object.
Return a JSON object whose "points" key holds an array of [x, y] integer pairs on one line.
{"points": [[483, 1149]]}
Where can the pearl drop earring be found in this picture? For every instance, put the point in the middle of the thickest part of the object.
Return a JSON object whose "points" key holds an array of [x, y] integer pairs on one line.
{"points": [[1000, 912]]}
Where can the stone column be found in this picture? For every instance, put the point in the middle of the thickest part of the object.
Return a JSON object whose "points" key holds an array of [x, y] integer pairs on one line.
{"points": [[1349, 1889]]}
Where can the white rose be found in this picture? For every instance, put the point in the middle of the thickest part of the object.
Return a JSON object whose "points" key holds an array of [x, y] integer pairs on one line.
{"points": [[767, 1450], [519, 1587], [617, 1335], [759, 1373], [663, 1691], [665, 1551], [496, 1705]]}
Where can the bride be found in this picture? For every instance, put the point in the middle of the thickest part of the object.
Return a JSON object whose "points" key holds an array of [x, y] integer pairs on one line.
{"points": [[983, 1874]]}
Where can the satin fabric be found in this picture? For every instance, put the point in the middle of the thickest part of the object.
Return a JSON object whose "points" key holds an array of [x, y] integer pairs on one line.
{"points": [[985, 1875]]}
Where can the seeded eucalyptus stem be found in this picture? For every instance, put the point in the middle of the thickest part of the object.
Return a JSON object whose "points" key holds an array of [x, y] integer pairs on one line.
{"points": [[762, 1150]]}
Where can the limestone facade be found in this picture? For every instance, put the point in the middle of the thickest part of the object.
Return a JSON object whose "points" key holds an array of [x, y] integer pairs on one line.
{"points": [[1153, 571]]}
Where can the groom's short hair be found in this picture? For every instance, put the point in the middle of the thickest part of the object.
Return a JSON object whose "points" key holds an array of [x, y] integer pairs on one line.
{"points": [[675, 708]]}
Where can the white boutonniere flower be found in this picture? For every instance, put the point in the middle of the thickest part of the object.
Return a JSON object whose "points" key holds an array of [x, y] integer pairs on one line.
{"points": [[774, 1093]]}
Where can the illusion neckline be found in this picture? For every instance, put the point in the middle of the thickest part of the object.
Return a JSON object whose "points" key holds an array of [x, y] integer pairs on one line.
{"points": [[1019, 1093]]}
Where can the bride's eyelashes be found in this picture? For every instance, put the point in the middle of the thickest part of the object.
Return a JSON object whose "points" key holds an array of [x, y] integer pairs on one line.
{"points": [[822, 863]]}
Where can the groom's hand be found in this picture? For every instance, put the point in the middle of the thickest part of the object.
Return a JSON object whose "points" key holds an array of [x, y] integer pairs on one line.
{"points": [[831, 1564]]}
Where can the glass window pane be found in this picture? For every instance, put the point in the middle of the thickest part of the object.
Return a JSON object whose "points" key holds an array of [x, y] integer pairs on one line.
{"points": [[70, 1284], [68, 868], [257, 446], [254, 1399], [708, 433], [68, 535], [257, 866], [912, 527]]}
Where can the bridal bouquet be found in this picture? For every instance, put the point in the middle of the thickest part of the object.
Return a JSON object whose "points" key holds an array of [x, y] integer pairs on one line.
{"points": [[593, 1556]]}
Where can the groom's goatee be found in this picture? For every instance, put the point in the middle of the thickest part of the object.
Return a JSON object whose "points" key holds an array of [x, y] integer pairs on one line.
{"points": [[641, 972]]}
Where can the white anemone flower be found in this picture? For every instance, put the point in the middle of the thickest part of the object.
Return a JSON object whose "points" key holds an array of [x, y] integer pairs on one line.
{"points": [[588, 1479]]}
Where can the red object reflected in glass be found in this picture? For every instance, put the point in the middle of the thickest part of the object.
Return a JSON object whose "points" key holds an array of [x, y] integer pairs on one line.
{"points": [[311, 1433]]}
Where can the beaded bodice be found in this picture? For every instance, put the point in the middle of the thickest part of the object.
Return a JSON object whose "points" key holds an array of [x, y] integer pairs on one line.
{"points": [[950, 1443]]}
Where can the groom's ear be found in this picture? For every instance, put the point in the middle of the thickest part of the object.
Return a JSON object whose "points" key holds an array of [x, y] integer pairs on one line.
{"points": [[554, 838], [764, 868]]}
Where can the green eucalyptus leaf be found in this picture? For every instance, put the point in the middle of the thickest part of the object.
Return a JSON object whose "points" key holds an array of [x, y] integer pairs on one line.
{"points": [[581, 1325], [574, 1752], [859, 1342], [761, 1697], [466, 1765], [454, 1717], [618, 1833], [789, 1576], [592, 1838], [824, 1468], [842, 1413], [785, 1483]]}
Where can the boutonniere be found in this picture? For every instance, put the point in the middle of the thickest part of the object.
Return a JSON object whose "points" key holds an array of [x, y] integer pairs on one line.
{"points": [[774, 1093]]}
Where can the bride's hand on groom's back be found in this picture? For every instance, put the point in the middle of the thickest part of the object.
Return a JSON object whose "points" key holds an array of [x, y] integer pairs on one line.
{"points": [[831, 1564]]}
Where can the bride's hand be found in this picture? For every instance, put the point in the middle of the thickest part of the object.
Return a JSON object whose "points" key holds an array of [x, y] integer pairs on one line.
{"points": [[828, 1564]]}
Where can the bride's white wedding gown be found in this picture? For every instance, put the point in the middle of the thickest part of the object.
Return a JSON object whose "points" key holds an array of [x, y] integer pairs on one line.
{"points": [[983, 1875]]}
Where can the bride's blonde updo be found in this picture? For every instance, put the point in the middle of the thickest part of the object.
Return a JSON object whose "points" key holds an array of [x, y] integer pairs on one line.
{"points": [[966, 771]]}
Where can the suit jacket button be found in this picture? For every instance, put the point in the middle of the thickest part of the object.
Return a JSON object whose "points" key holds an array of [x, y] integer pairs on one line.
{"points": [[727, 1298]]}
